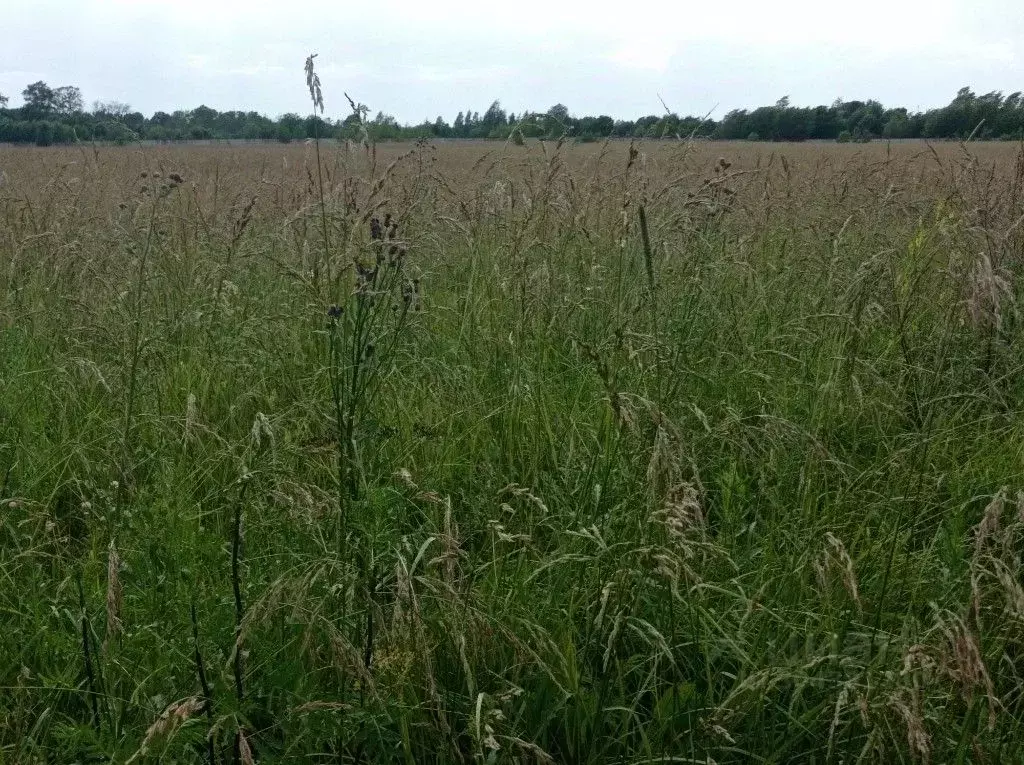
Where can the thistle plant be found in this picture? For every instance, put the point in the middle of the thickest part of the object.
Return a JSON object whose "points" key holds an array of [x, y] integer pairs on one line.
{"points": [[376, 297], [363, 334]]}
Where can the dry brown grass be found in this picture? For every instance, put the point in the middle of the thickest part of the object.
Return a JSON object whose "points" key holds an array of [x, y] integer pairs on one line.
{"points": [[898, 173]]}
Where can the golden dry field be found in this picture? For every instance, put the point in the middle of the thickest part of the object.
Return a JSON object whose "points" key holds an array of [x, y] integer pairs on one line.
{"points": [[470, 452]]}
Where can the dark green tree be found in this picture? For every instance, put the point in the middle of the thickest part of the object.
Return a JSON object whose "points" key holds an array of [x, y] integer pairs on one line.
{"points": [[67, 100], [494, 119], [110, 109], [556, 121], [40, 100]]}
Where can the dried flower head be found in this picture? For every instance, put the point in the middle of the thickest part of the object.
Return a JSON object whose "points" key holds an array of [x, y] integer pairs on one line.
{"points": [[313, 83]]}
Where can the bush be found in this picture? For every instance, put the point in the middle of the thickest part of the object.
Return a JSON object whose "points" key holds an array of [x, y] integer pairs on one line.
{"points": [[64, 133], [44, 134], [844, 137], [753, 137]]}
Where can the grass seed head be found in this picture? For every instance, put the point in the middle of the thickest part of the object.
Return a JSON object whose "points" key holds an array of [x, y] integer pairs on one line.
{"points": [[313, 83], [244, 749], [908, 705], [114, 594], [169, 721]]}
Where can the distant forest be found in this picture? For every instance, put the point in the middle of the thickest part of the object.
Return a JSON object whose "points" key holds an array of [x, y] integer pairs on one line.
{"points": [[57, 116]]}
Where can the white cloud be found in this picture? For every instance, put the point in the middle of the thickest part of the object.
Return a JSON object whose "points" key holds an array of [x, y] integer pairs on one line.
{"points": [[199, 61], [653, 55], [254, 70], [411, 59], [426, 73]]}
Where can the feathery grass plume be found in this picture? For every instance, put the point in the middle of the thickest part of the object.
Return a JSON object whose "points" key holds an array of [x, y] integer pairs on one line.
{"points": [[985, 531], [835, 556], [1005, 563], [682, 514], [167, 724], [451, 549], [348, 659], [963, 662], [499, 531], [261, 429], [515, 490], [1009, 578], [405, 598], [191, 416], [606, 593], [661, 468], [403, 477], [842, 699], [317, 97], [313, 83], [991, 521], [684, 558], [532, 750], [406, 625], [908, 705], [244, 749], [114, 595], [988, 289]]}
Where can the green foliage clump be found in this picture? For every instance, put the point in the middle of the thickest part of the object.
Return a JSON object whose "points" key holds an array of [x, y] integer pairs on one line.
{"points": [[989, 116]]}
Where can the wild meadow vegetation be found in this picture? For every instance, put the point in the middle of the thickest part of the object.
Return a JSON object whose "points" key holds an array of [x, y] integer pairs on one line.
{"points": [[653, 452]]}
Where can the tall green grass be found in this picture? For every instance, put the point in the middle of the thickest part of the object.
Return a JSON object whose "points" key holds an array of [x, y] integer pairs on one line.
{"points": [[742, 486]]}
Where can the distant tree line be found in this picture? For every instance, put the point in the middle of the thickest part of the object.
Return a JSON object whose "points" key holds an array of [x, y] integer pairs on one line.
{"points": [[57, 115]]}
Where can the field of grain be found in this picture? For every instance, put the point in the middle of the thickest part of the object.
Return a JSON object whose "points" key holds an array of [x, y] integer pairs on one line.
{"points": [[664, 452]]}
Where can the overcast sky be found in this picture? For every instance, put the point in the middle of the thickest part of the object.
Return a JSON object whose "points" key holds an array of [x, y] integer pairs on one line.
{"points": [[419, 60]]}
